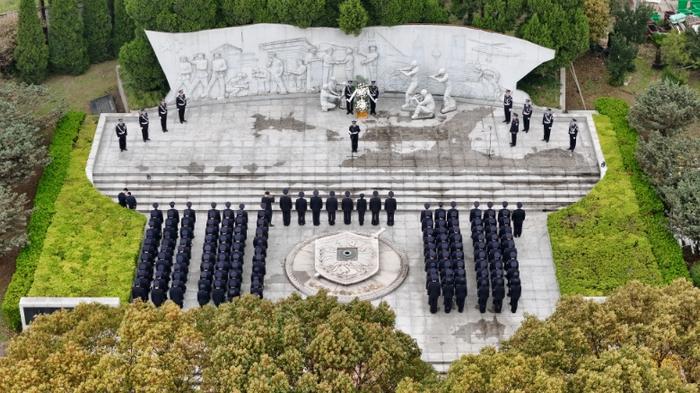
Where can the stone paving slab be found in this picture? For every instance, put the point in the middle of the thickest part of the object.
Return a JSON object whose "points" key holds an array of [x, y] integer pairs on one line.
{"points": [[442, 337]]}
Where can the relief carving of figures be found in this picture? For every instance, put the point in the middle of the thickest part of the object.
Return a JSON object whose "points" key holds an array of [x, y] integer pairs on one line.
{"points": [[275, 68], [311, 59], [412, 73], [482, 83], [425, 106], [329, 100], [261, 78], [218, 80], [328, 65], [370, 61], [298, 75], [185, 68], [349, 64], [238, 86], [448, 103], [201, 75]]}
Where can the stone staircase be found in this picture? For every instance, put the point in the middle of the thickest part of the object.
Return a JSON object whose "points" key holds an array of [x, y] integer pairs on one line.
{"points": [[412, 188]]}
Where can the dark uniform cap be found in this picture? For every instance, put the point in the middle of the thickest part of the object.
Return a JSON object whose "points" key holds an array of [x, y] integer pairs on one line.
{"points": [[519, 204], [391, 193]]}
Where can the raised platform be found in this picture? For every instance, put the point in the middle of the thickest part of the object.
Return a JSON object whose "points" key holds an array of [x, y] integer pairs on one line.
{"points": [[236, 150]]}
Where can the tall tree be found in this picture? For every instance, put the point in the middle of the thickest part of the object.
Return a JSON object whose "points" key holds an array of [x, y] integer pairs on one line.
{"points": [[98, 30], [620, 59], [665, 107], [67, 46], [31, 53], [122, 28], [631, 23], [598, 15], [353, 17]]}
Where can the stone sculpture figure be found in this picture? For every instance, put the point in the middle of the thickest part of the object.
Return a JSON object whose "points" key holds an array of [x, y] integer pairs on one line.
{"points": [[349, 63], [448, 103], [220, 68], [334, 87], [298, 75], [425, 106], [261, 78], [327, 64], [185, 73], [329, 100], [275, 68], [201, 75], [238, 85], [410, 72], [310, 58], [370, 61]]}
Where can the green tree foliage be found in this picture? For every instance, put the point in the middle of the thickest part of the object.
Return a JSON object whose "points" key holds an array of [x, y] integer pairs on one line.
{"points": [[242, 12], [397, 12], [620, 59], [466, 10], [141, 65], [67, 46], [8, 41], [631, 23], [330, 14], [567, 25], [599, 18], [21, 150], [98, 30], [301, 13], [500, 15], [250, 345], [666, 159], [122, 28], [32, 53], [643, 338], [172, 15], [665, 107], [13, 215], [353, 17], [683, 200]]}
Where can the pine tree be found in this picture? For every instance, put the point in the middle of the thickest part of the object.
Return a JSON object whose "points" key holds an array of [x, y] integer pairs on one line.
{"points": [[67, 47], [353, 17], [122, 28], [98, 30], [31, 54]]}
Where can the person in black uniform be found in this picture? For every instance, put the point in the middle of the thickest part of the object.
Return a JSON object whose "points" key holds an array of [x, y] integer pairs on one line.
{"points": [[140, 290], [163, 114], [331, 207], [475, 212], [460, 293], [349, 99], [518, 218], [448, 290], [390, 208], [286, 207], [426, 213], [514, 291], [482, 293], [507, 106], [121, 197], [181, 104], [143, 122], [433, 287], [267, 201], [121, 134], [361, 209], [514, 126], [498, 293], [346, 205], [453, 212], [354, 132], [158, 295], [527, 112], [301, 205], [547, 121], [130, 201], [316, 204], [375, 206], [573, 133], [177, 294], [373, 97], [440, 212], [504, 213]]}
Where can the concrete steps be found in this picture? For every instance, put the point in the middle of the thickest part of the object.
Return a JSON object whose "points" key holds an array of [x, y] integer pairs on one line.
{"points": [[412, 188]]}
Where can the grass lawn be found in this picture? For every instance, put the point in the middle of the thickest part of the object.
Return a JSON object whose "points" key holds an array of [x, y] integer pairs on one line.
{"points": [[543, 91], [8, 5], [78, 91]]}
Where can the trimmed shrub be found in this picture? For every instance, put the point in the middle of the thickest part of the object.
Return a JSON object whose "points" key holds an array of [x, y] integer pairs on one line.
{"points": [[665, 107], [42, 214], [13, 216], [92, 243], [67, 48], [599, 243], [98, 30], [31, 54], [353, 17], [668, 253], [8, 41], [695, 274], [122, 28]]}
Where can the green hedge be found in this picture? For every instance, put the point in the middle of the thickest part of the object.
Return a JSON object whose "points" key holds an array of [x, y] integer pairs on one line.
{"points": [[92, 244], [668, 253], [42, 214], [599, 243]]}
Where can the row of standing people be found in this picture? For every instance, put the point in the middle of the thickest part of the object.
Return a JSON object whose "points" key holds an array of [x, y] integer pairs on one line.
{"points": [[443, 251], [495, 257], [156, 264], [547, 122], [332, 205]]}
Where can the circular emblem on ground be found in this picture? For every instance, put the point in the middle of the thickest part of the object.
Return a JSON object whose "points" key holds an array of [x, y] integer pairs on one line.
{"points": [[346, 264]]}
